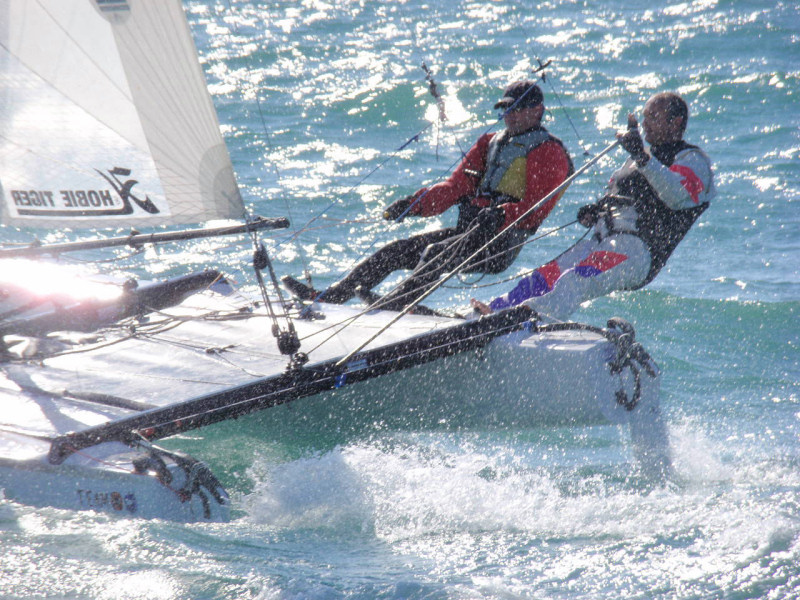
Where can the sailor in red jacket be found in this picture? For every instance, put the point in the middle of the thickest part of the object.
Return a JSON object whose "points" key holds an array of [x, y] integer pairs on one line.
{"points": [[498, 180]]}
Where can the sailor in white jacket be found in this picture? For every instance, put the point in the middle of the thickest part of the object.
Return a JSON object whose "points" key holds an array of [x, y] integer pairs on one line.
{"points": [[649, 206]]}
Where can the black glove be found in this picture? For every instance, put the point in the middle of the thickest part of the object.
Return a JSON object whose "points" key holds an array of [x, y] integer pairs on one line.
{"points": [[397, 208], [589, 214], [489, 219], [631, 140]]}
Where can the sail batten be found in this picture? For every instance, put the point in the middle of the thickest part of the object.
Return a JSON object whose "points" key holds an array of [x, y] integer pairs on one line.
{"points": [[105, 118]]}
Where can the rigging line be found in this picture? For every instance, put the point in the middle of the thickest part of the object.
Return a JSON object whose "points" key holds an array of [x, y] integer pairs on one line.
{"points": [[500, 118], [523, 273], [520, 245], [212, 315], [342, 325], [440, 103], [332, 224], [216, 355], [349, 320], [421, 196], [465, 262], [390, 157], [260, 256], [244, 350], [421, 288], [320, 214], [353, 187], [278, 177], [98, 345], [344, 322], [561, 104], [420, 269]]}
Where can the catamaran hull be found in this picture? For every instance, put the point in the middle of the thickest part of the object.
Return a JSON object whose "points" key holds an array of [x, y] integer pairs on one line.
{"points": [[80, 435], [108, 482], [518, 380]]}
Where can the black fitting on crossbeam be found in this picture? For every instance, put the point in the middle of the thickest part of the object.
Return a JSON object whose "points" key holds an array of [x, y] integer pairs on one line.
{"points": [[260, 257]]}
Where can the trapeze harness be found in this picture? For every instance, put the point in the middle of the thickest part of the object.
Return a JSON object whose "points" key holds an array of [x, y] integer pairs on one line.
{"points": [[504, 178], [660, 227]]}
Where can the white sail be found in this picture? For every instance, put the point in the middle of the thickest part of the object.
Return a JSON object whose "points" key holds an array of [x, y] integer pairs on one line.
{"points": [[105, 118]]}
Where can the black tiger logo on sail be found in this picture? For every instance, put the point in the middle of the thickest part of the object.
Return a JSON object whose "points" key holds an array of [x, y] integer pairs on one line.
{"points": [[120, 200]]}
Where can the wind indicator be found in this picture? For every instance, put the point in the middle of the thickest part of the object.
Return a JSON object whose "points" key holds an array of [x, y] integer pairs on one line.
{"points": [[434, 90]]}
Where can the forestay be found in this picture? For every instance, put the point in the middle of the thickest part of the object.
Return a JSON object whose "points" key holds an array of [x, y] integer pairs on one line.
{"points": [[105, 118]]}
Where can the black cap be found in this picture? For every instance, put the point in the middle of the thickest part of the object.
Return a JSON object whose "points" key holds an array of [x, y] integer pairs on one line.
{"points": [[527, 90]]}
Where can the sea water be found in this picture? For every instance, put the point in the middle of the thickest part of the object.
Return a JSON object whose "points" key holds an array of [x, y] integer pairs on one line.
{"points": [[316, 101]]}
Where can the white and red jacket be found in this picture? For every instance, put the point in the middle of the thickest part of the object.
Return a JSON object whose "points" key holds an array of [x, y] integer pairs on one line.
{"points": [[659, 201]]}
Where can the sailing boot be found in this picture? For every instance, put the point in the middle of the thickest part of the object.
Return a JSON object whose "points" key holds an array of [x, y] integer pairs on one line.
{"points": [[367, 296], [299, 290]]}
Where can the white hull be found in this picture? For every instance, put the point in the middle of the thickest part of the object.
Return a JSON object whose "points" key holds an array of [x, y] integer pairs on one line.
{"points": [[213, 347], [518, 380], [103, 479]]}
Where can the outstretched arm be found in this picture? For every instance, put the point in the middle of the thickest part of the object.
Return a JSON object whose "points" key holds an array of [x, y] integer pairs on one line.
{"points": [[462, 182]]}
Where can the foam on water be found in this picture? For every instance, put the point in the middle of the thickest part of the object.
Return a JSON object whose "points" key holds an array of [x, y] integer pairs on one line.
{"points": [[592, 528]]}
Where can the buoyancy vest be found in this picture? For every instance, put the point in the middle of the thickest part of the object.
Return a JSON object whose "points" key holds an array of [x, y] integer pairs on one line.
{"points": [[504, 178], [659, 226]]}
